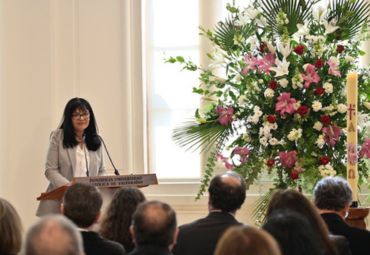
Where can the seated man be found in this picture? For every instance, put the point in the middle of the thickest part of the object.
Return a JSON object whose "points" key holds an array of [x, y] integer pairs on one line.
{"points": [[226, 196], [333, 196], [53, 234], [153, 229], [82, 204]]}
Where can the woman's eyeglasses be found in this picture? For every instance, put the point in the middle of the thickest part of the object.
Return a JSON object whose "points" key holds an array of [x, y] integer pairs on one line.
{"points": [[80, 115]]}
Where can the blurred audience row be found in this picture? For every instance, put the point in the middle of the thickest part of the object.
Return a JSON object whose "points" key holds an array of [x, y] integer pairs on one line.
{"points": [[132, 225]]}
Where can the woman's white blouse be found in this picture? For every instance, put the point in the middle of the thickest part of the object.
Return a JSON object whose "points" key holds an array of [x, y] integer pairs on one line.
{"points": [[81, 158]]}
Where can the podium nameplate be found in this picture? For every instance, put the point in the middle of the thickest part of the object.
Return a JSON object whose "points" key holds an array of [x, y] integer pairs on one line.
{"points": [[137, 180]]}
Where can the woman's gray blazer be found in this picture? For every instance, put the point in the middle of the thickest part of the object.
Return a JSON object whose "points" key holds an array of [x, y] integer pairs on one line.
{"points": [[60, 168]]}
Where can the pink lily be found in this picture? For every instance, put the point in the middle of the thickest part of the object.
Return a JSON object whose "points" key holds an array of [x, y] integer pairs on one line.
{"points": [[333, 68], [311, 76], [365, 149], [226, 162], [332, 134], [225, 115], [243, 153], [288, 159], [285, 104]]}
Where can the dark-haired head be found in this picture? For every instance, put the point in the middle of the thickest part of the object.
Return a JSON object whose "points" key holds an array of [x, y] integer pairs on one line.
{"points": [[227, 192], [117, 221], [293, 232], [293, 200], [76, 108]]}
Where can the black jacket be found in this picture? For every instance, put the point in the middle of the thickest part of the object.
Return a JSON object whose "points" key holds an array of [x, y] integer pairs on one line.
{"points": [[359, 239], [94, 244], [200, 237]]}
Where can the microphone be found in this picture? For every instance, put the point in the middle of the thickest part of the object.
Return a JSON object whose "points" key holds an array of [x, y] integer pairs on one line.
{"points": [[116, 172]]}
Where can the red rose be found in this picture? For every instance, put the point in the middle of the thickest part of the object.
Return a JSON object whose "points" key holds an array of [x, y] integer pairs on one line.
{"points": [[319, 63], [270, 162], [302, 110], [325, 119], [273, 85], [340, 48], [271, 118], [263, 47], [299, 49], [324, 160], [319, 91], [294, 174]]}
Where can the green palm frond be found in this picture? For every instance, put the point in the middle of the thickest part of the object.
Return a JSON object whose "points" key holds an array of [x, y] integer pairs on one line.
{"points": [[192, 135], [226, 33], [350, 15], [297, 11], [260, 208]]}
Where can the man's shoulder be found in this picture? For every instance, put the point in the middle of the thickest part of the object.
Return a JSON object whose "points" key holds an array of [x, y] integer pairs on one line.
{"points": [[93, 242]]}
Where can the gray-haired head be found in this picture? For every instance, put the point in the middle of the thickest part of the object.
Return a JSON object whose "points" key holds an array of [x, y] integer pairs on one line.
{"points": [[332, 193], [53, 234]]}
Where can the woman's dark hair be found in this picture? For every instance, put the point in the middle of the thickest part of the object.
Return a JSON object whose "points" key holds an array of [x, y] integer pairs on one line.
{"points": [[294, 233], [10, 229], [117, 221], [92, 139], [293, 200]]}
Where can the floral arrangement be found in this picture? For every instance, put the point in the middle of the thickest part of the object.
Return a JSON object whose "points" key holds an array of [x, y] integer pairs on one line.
{"points": [[274, 97]]}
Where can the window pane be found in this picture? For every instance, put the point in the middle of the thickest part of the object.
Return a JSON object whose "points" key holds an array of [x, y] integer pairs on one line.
{"points": [[170, 100]]}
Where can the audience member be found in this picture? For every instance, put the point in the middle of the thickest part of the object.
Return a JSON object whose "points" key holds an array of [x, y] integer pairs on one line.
{"points": [[226, 196], [241, 240], [154, 229], [333, 196], [82, 204], [117, 221], [10, 229], [294, 233], [53, 234], [293, 200]]}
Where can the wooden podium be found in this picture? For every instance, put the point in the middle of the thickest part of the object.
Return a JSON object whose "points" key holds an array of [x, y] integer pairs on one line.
{"points": [[356, 217], [111, 182]]}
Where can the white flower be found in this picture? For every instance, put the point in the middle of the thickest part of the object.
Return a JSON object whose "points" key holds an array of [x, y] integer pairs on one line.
{"points": [[296, 105], [283, 82], [274, 141], [330, 27], [285, 49], [320, 141], [295, 134], [257, 111], [269, 93], [342, 108], [328, 108], [251, 12], [319, 13], [318, 125], [263, 141], [260, 81], [367, 105], [302, 30], [316, 106], [328, 87], [363, 120], [297, 81], [282, 67], [242, 100], [349, 59], [327, 170], [253, 119]]}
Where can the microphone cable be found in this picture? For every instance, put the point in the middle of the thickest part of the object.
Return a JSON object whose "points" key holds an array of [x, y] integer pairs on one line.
{"points": [[116, 172]]}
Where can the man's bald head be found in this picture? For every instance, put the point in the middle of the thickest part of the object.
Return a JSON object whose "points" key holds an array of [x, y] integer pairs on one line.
{"points": [[154, 223], [227, 192], [53, 234]]}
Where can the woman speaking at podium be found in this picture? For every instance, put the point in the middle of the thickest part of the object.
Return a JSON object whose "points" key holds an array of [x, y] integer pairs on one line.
{"points": [[74, 151]]}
